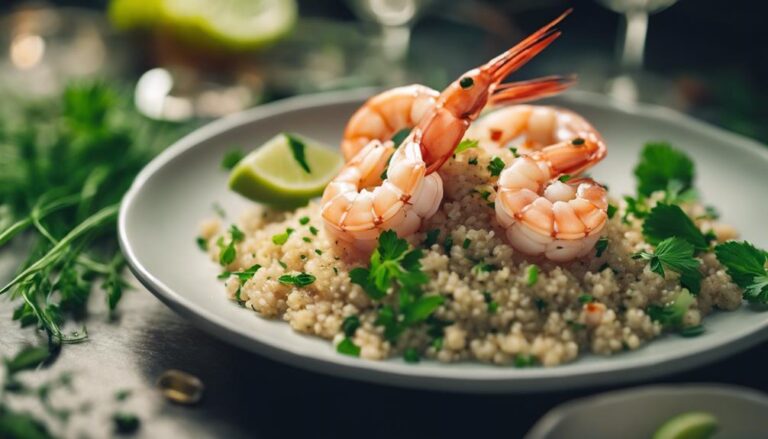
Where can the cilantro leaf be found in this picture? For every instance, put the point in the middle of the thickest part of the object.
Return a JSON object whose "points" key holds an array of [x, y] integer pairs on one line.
{"points": [[661, 164], [422, 308], [299, 280], [745, 264], [431, 238], [348, 347], [496, 166], [298, 149], [465, 145], [668, 220], [675, 254]]}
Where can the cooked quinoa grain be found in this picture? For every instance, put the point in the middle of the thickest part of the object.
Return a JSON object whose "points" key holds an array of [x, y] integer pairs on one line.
{"points": [[596, 304]]}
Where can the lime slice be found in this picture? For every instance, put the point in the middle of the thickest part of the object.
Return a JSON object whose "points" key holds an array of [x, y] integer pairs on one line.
{"points": [[130, 14], [690, 425], [235, 24], [275, 173]]}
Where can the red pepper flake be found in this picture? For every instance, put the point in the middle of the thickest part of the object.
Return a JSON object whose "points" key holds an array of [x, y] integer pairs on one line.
{"points": [[495, 135]]}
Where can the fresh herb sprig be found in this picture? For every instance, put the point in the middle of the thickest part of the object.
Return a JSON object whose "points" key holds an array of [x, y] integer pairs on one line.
{"points": [[395, 270], [675, 254], [61, 182], [745, 264]]}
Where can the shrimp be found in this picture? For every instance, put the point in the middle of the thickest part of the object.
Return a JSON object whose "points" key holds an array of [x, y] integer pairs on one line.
{"points": [[543, 215], [361, 202], [387, 113]]}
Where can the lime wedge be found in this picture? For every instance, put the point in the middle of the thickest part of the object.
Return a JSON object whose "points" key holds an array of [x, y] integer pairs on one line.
{"points": [[276, 172], [690, 425], [235, 24]]}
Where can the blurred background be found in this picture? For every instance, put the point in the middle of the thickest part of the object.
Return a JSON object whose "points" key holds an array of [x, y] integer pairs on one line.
{"points": [[200, 59]]}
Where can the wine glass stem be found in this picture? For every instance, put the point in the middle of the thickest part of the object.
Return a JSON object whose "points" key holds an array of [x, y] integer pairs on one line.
{"points": [[395, 41], [633, 47]]}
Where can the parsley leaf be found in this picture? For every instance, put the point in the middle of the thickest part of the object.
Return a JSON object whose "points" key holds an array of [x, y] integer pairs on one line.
{"points": [[282, 238], [246, 275], [746, 265], [298, 149], [661, 164], [465, 145], [675, 254], [395, 268], [431, 238], [671, 315], [348, 347], [668, 220], [350, 325], [299, 280], [496, 166], [600, 246]]}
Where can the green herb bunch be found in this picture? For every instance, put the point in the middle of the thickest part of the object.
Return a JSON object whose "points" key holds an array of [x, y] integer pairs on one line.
{"points": [[394, 277], [678, 241], [65, 164]]}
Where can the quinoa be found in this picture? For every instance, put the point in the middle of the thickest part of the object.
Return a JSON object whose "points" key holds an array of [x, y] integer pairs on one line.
{"points": [[546, 321]]}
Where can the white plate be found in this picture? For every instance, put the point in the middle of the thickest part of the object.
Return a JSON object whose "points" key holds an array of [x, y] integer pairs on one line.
{"points": [[638, 413], [160, 216]]}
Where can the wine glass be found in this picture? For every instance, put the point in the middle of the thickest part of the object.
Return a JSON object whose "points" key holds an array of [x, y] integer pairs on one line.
{"points": [[631, 48], [395, 18]]}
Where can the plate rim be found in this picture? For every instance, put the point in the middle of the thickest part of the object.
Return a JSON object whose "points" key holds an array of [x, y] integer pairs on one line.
{"points": [[384, 372]]}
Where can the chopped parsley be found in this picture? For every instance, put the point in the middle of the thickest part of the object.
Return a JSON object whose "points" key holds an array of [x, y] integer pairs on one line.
{"points": [[306, 239], [564, 178], [350, 325], [668, 220], [283, 264], [496, 166], [242, 276], [482, 267], [304, 220], [675, 254], [491, 304], [513, 150], [472, 161], [466, 243], [395, 269], [466, 144], [125, 423], [227, 252], [348, 347], [524, 360], [660, 164], [299, 280], [692, 331], [202, 243], [318, 252], [313, 230], [586, 298], [448, 244], [746, 265], [611, 210], [411, 355], [232, 158], [282, 238], [533, 274], [600, 246], [431, 238]]}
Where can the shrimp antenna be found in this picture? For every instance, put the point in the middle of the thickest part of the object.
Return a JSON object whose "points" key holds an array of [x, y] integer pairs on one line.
{"points": [[524, 51], [524, 91]]}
